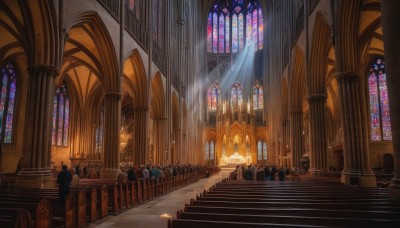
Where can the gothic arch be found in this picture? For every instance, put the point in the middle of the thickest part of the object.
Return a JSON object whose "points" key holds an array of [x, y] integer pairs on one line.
{"points": [[298, 89], [135, 75], [319, 59], [157, 96], [27, 28], [88, 43]]}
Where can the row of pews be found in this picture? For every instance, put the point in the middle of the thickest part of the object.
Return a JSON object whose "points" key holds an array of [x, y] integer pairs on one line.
{"points": [[316, 202], [89, 201]]}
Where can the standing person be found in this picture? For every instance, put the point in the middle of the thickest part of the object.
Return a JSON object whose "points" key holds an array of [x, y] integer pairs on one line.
{"points": [[63, 180], [273, 171], [131, 174], [267, 173], [248, 174], [84, 171], [239, 172], [75, 177]]}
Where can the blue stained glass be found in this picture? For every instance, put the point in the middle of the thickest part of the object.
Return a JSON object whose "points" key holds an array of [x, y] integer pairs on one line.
{"points": [[60, 119], [7, 101], [66, 123], [53, 130]]}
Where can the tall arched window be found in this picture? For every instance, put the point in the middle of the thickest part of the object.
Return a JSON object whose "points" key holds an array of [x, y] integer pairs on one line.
{"points": [[261, 150], [212, 97], [158, 19], [60, 117], [210, 150], [245, 21], [236, 95], [134, 7], [7, 101], [379, 102], [99, 132], [258, 98]]}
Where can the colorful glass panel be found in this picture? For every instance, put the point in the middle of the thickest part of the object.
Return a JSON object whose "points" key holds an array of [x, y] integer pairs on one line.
{"points": [[209, 32], [215, 33], [221, 34], [248, 28], [60, 119], [235, 43], [241, 32], [379, 102], [260, 29], [374, 108], [259, 151], [3, 98], [66, 123], [10, 113], [385, 110], [227, 34], [260, 98], [255, 26], [131, 4], [207, 151], [7, 101], [53, 131]]}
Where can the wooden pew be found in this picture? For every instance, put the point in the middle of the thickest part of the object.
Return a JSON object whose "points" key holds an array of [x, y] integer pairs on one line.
{"points": [[15, 218]]}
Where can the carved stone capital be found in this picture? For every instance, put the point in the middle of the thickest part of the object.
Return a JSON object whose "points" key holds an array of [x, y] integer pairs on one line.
{"points": [[316, 97], [52, 70], [113, 96]]}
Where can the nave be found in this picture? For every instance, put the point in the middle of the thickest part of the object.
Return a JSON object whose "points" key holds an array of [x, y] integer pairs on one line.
{"points": [[157, 212]]}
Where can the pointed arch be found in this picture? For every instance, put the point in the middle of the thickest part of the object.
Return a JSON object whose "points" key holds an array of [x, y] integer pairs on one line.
{"points": [[298, 89], [135, 74], [319, 59], [157, 96], [89, 42]]}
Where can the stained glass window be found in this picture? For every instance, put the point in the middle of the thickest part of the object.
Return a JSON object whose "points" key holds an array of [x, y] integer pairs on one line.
{"points": [[212, 148], [235, 44], [7, 101], [227, 34], [379, 102], [244, 22], [99, 132], [221, 34], [207, 150], [261, 150], [258, 98], [209, 33], [213, 97], [61, 110], [236, 95], [215, 33]]}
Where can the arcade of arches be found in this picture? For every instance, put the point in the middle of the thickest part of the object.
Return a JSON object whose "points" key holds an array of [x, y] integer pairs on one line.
{"points": [[310, 84]]}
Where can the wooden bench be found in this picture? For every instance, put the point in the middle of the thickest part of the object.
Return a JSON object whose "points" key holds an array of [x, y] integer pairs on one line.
{"points": [[16, 218]]}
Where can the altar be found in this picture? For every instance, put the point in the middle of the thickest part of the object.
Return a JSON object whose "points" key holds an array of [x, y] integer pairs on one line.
{"points": [[234, 159]]}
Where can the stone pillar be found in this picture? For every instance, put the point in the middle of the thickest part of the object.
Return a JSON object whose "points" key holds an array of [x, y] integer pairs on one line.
{"points": [[140, 148], [112, 123], [36, 172], [318, 146], [355, 135], [296, 128], [391, 37]]}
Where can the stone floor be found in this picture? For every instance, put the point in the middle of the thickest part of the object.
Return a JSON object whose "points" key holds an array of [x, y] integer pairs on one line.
{"points": [[155, 214]]}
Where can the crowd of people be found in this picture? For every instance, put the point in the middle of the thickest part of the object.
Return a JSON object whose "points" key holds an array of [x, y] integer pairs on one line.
{"points": [[262, 172]]}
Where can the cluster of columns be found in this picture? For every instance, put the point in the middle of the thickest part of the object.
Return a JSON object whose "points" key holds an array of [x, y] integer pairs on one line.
{"points": [[36, 171]]}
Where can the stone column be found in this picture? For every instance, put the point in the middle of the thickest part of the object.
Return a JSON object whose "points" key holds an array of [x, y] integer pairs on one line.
{"points": [[296, 118], [391, 37], [112, 123], [36, 172], [318, 148], [355, 134], [140, 136]]}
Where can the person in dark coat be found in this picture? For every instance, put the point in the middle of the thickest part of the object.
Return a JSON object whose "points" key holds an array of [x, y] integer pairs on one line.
{"points": [[248, 174], [63, 180], [281, 174], [131, 174], [273, 171], [267, 173]]}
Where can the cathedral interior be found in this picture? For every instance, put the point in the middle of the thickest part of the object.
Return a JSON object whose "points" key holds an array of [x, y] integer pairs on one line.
{"points": [[306, 85]]}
